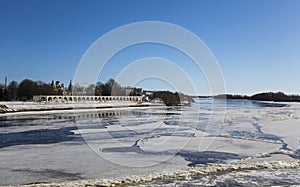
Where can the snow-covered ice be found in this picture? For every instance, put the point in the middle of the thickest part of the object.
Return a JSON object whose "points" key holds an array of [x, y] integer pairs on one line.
{"points": [[96, 144]]}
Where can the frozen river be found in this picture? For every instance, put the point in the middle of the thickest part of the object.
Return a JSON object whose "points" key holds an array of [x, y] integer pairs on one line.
{"points": [[62, 146]]}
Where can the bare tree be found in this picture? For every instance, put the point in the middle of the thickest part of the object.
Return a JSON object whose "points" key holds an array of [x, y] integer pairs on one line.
{"points": [[12, 91]]}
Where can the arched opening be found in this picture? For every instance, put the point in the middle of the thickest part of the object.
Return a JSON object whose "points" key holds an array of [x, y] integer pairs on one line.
{"points": [[55, 99]]}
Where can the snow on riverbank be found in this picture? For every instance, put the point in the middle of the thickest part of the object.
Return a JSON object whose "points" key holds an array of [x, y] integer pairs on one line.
{"points": [[10, 107]]}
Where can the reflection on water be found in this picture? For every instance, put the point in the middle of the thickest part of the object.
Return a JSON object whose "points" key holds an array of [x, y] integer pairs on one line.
{"points": [[58, 126], [55, 128], [69, 116], [45, 136]]}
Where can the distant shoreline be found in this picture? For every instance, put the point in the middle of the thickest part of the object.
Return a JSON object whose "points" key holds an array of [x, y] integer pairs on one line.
{"points": [[264, 96]]}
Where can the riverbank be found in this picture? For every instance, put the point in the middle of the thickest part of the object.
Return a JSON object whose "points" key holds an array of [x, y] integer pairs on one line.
{"points": [[13, 107]]}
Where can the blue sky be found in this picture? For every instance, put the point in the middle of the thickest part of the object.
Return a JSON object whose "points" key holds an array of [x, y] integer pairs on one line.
{"points": [[256, 42]]}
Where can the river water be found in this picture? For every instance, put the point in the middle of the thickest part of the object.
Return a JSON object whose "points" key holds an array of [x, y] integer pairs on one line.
{"points": [[62, 146]]}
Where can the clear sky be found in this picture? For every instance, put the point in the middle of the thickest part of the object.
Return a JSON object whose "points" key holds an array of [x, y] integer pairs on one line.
{"points": [[256, 42]]}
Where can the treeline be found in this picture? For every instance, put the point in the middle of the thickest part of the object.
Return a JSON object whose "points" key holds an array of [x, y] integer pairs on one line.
{"points": [[266, 96], [230, 96], [278, 97], [26, 89], [172, 99], [110, 88]]}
